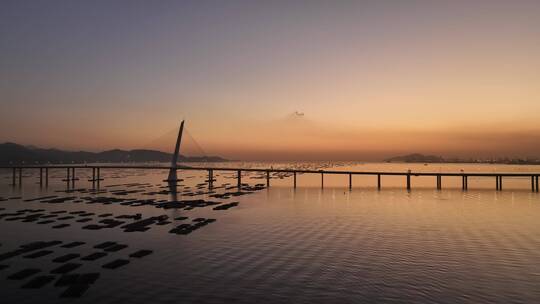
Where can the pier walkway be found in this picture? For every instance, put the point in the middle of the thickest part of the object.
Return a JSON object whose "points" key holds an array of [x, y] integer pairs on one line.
{"points": [[17, 174]]}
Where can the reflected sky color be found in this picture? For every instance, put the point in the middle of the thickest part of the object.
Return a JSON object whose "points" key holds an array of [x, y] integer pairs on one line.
{"points": [[373, 78]]}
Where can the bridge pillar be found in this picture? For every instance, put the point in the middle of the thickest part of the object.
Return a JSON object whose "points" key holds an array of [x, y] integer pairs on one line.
{"points": [[172, 178], [73, 177], [379, 181], [294, 179], [322, 180], [408, 182], [210, 178], [94, 177], [14, 181], [267, 178], [350, 181], [46, 177], [537, 183], [239, 176], [67, 175], [40, 177]]}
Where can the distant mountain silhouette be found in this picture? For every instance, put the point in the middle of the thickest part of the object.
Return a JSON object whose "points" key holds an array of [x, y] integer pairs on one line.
{"points": [[11, 153], [415, 158]]}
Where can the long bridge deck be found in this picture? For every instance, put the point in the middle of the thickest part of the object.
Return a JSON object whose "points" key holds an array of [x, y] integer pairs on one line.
{"points": [[70, 175]]}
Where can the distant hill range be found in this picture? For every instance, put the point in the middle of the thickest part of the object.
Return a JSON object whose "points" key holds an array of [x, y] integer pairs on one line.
{"points": [[420, 158], [416, 158], [11, 153]]}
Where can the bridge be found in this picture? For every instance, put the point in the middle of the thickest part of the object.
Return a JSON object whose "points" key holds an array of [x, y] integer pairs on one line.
{"points": [[96, 177], [17, 171]]}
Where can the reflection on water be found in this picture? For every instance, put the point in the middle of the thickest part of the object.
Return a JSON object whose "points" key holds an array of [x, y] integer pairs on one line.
{"points": [[301, 246]]}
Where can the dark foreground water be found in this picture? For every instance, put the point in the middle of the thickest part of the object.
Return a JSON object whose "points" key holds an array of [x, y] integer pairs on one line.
{"points": [[303, 245]]}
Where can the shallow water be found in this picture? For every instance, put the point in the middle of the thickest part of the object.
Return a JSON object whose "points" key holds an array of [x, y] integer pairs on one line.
{"points": [[304, 245]]}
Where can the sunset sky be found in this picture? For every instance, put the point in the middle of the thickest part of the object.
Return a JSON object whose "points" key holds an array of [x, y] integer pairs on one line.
{"points": [[372, 78]]}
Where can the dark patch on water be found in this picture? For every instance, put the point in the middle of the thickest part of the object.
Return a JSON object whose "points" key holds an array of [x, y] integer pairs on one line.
{"points": [[116, 264]]}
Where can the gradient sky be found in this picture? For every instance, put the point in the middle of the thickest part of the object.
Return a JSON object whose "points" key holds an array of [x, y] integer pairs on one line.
{"points": [[373, 78]]}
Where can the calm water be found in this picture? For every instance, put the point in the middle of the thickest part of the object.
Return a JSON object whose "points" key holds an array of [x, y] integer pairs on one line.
{"points": [[303, 245]]}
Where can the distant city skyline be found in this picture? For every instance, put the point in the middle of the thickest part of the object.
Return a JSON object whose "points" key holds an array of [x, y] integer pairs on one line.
{"points": [[373, 79]]}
